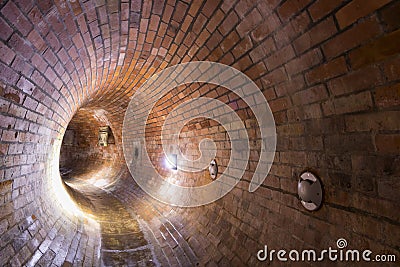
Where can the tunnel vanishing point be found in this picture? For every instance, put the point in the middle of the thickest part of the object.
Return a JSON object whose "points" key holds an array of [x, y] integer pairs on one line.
{"points": [[69, 71]]}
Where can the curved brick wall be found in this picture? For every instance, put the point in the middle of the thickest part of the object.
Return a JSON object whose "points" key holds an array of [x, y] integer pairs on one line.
{"points": [[329, 70]]}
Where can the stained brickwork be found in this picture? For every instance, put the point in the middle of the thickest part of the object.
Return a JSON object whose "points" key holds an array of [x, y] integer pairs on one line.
{"points": [[329, 70]]}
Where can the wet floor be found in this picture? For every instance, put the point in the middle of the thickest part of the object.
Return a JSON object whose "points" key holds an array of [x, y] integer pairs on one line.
{"points": [[123, 240]]}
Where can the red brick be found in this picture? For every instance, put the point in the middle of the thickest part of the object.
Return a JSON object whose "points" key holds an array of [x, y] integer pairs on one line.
{"points": [[305, 61], [279, 57], [294, 129], [53, 41], [387, 96], [388, 188], [392, 69], [346, 143], [299, 24], [389, 16], [50, 57], [9, 136], [5, 30], [227, 5], [291, 85], [280, 117], [37, 41], [17, 18], [6, 54], [242, 47], [248, 23], [315, 35], [378, 50], [30, 103], [230, 41], [352, 37], [378, 121], [279, 104], [21, 46], [256, 71], [178, 16], [24, 6], [388, 143], [321, 8], [327, 71], [229, 23], [8, 75], [262, 50], [266, 7], [357, 9], [215, 20], [269, 25], [356, 81], [353, 103], [310, 95], [36, 18], [274, 77], [289, 8]]}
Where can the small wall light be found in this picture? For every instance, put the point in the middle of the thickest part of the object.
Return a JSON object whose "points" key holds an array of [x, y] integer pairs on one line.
{"points": [[103, 136], [310, 191], [172, 161], [213, 169]]}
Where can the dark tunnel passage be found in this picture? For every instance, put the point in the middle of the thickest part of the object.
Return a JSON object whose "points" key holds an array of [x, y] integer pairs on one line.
{"points": [[70, 70]]}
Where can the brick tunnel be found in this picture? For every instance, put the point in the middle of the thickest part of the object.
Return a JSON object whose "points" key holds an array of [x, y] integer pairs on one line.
{"points": [[329, 71]]}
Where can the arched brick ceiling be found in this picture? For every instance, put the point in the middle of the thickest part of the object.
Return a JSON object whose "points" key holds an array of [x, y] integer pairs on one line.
{"points": [[96, 53]]}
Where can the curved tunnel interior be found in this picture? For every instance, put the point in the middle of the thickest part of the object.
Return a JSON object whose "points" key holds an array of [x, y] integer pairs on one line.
{"points": [[329, 70], [89, 150], [90, 163]]}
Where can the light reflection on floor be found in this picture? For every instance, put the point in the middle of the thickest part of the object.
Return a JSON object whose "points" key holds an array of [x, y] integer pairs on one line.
{"points": [[123, 241]]}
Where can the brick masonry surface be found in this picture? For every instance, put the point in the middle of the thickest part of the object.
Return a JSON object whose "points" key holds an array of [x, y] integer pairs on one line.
{"points": [[329, 69]]}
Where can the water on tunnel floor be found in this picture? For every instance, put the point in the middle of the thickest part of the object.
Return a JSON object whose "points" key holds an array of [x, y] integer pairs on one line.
{"points": [[123, 242]]}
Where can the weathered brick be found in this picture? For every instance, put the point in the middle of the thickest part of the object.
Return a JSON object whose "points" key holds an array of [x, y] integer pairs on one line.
{"points": [[352, 37], [378, 50], [357, 9], [386, 143], [355, 81], [353, 103], [315, 35], [322, 8], [387, 120], [17, 18], [265, 28], [307, 60], [6, 54], [289, 8], [310, 95], [327, 71], [280, 57], [387, 96], [389, 17], [5, 30], [21, 46], [249, 23]]}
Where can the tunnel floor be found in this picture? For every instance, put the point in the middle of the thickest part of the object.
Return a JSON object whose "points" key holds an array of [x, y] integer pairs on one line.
{"points": [[123, 242]]}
